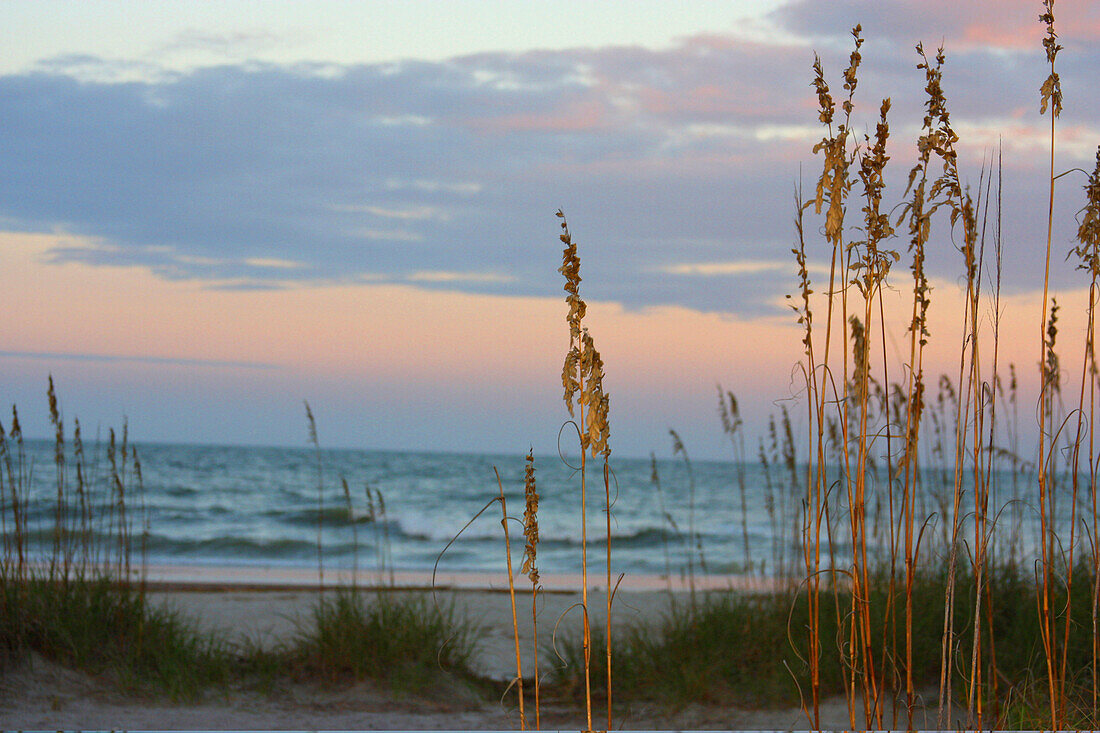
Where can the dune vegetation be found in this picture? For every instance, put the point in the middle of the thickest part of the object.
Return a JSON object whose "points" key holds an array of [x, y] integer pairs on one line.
{"points": [[916, 585], [85, 602]]}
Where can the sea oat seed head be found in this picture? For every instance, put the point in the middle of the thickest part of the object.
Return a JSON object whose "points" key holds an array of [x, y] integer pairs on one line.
{"points": [[312, 424], [593, 397], [582, 371], [530, 520], [569, 377], [1088, 233], [1051, 91]]}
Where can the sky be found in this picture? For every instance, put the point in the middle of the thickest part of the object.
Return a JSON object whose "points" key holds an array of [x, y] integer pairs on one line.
{"points": [[212, 211]]}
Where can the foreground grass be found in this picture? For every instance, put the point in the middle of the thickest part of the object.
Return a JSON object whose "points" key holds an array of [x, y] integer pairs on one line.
{"points": [[751, 650], [100, 626], [404, 641], [105, 628]]}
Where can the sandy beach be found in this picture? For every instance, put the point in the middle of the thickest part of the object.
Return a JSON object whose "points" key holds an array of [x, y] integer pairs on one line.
{"points": [[41, 695]]}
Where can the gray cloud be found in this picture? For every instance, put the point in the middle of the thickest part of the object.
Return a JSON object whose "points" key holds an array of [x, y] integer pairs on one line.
{"points": [[446, 175]]}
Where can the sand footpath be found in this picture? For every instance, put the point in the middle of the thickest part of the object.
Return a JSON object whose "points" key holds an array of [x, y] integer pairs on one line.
{"points": [[268, 617]]}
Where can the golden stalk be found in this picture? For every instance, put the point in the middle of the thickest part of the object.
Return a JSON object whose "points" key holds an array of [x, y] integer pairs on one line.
{"points": [[607, 635], [512, 596], [1050, 94], [1088, 234], [582, 377]]}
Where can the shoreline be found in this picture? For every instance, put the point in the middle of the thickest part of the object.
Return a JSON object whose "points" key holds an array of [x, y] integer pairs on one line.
{"points": [[211, 578]]}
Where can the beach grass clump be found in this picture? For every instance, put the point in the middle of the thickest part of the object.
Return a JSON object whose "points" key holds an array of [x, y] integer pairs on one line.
{"points": [[97, 626], [751, 650], [719, 650], [408, 642], [81, 603]]}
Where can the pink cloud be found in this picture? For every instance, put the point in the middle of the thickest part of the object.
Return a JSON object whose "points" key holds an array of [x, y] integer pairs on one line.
{"points": [[723, 100], [1016, 24], [684, 165], [574, 116], [1011, 25], [1018, 37], [655, 101]]}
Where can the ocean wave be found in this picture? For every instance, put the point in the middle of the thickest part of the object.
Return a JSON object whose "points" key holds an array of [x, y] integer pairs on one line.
{"points": [[427, 529], [329, 516], [231, 547]]}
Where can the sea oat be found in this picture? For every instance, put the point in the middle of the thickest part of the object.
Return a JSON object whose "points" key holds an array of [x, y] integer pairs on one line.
{"points": [[582, 378], [530, 520], [1051, 91], [530, 551]]}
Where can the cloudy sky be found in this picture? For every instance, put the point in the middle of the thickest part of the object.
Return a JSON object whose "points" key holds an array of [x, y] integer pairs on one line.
{"points": [[212, 211]]}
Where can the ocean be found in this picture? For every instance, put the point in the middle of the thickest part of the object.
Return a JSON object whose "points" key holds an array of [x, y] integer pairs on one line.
{"points": [[238, 506]]}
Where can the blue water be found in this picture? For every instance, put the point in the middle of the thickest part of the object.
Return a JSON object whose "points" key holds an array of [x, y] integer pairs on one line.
{"points": [[240, 505]]}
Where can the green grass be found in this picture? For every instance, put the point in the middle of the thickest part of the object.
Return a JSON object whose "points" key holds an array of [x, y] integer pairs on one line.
{"points": [[749, 650], [102, 627], [108, 629], [404, 641], [727, 650]]}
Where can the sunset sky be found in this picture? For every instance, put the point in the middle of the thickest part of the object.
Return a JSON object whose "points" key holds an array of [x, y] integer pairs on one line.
{"points": [[212, 211]]}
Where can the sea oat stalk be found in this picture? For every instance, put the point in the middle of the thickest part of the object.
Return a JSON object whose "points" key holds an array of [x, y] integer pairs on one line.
{"points": [[919, 222], [1050, 96], [1088, 250], [512, 596], [312, 424], [582, 378], [530, 552]]}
